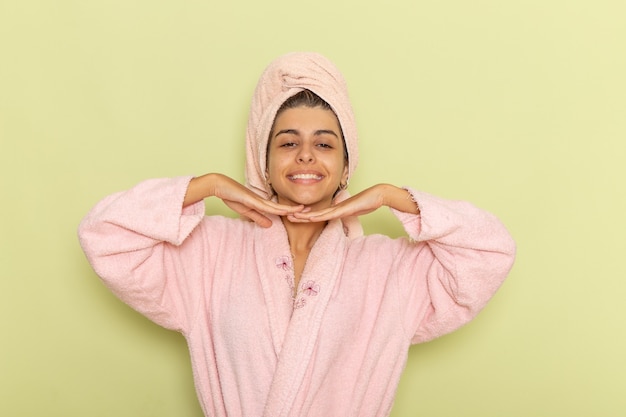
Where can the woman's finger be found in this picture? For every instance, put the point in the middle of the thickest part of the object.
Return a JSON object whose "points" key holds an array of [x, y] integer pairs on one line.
{"points": [[322, 215], [251, 214]]}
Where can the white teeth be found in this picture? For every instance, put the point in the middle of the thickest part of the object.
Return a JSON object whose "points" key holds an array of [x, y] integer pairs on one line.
{"points": [[306, 177]]}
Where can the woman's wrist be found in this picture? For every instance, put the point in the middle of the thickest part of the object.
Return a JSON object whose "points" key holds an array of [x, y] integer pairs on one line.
{"points": [[200, 188], [399, 199]]}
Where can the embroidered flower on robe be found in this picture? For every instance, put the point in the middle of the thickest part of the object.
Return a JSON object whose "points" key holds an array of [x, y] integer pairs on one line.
{"points": [[284, 263], [310, 288], [299, 303]]}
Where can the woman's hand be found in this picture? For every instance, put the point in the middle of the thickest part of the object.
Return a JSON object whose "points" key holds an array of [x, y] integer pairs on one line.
{"points": [[362, 203], [237, 197]]}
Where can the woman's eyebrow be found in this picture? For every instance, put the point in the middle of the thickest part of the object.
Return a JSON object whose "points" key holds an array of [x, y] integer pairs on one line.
{"points": [[316, 133], [287, 131], [326, 132]]}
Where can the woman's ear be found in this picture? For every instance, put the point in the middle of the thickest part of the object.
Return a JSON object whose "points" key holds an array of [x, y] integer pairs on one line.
{"points": [[344, 177]]}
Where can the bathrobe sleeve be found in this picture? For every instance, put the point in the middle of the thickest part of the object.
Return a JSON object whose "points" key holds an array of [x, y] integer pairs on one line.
{"points": [[136, 241], [457, 257]]}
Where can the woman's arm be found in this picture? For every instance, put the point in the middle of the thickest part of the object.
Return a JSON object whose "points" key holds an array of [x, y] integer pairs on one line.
{"points": [[457, 258], [239, 198], [138, 240], [363, 203]]}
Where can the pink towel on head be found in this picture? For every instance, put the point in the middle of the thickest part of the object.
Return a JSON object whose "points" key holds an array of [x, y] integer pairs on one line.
{"points": [[283, 78]]}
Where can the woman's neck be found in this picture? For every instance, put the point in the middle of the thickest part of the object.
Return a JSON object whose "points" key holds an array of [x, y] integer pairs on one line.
{"points": [[302, 236]]}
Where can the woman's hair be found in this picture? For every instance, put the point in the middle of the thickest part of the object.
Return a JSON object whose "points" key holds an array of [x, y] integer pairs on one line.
{"points": [[306, 98]]}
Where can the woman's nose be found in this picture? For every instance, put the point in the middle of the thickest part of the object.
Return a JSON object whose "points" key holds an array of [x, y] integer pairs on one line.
{"points": [[305, 155]]}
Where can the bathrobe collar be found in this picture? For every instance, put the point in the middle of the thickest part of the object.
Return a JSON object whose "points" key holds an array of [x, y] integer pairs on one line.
{"points": [[295, 323]]}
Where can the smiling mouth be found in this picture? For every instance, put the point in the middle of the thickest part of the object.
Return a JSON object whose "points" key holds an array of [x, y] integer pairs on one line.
{"points": [[305, 177]]}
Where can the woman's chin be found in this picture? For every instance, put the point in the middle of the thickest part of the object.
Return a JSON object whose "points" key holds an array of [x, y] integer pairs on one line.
{"points": [[310, 202]]}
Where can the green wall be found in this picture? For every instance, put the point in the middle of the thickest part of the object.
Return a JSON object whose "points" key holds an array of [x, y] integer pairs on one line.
{"points": [[518, 106]]}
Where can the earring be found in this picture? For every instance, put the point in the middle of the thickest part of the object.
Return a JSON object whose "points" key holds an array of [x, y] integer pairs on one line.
{"points": [[268, 186], [343, 186]]}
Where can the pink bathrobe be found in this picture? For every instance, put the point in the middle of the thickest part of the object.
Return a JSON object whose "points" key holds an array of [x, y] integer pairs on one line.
{"points": [[336, 349]]}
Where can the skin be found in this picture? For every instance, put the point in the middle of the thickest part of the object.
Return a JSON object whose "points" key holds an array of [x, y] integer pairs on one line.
{"points": [[306, 166]]}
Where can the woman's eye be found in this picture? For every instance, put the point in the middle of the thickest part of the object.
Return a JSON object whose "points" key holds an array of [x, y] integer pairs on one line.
{"points": [[288, 145], [324, 145]]}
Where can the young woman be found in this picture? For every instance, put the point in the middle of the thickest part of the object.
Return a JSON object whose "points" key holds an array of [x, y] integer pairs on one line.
{"points": [[291, 311]]}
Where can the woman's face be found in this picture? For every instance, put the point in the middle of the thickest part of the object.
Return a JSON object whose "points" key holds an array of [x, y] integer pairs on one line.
{"points": [[306, 162]]}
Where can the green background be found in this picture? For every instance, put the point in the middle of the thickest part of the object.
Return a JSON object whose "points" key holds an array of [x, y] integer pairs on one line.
{"points": [[517, 106]]}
